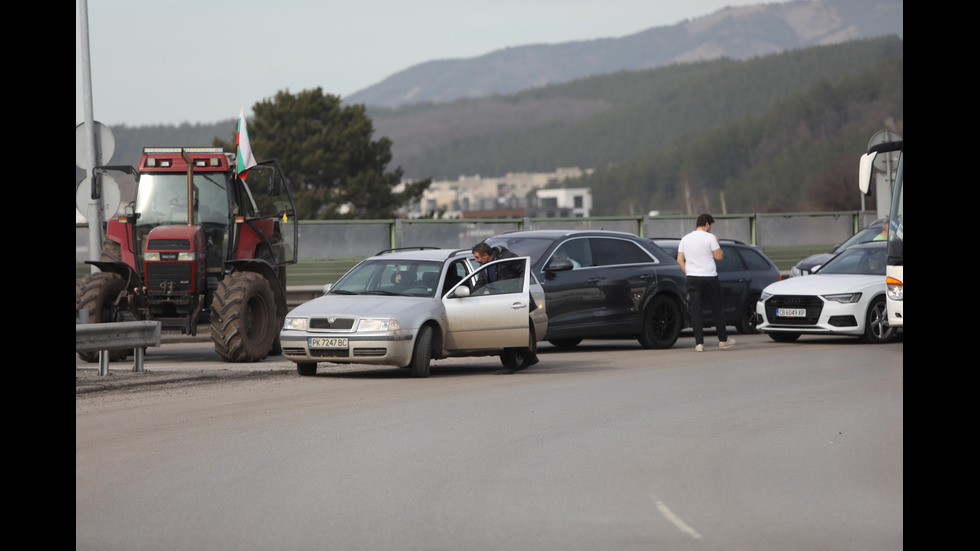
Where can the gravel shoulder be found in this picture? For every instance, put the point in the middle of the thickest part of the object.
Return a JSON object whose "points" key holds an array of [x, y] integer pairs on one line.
{"points": [[89, 380], [178, 361]]}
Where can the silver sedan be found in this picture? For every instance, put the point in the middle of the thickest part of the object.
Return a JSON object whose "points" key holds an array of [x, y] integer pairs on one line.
{"points": [[407, 307]]}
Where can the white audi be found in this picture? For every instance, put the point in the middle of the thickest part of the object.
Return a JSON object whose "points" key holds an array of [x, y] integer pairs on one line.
{"points": [[846, 296]]}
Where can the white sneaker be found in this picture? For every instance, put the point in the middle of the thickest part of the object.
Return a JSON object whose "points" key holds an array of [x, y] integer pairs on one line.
{"points": [[699, 348], [727, 344]]}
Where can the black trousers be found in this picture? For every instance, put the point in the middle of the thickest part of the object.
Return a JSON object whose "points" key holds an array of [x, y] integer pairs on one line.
{"points": [[703, 291]]}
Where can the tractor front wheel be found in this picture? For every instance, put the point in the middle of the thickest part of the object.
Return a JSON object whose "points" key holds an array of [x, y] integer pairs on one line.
{"points": [[243, 318]]}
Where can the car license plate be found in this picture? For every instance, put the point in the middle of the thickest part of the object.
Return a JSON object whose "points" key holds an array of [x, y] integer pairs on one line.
{"points": [[327, 342], [791, 312]]}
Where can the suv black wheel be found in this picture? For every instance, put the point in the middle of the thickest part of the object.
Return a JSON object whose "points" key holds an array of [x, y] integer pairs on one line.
{"points": [[661, 323], [748, 320]]}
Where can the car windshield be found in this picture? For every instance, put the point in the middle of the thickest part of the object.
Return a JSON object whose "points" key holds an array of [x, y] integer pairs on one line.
{"points": [[863, 236], [383, 276], [162, 199], [857, 260]]}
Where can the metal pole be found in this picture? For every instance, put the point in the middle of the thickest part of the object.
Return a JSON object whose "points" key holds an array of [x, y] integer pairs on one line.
{"points": [[95, 204], [103, 363], [138, 360]]}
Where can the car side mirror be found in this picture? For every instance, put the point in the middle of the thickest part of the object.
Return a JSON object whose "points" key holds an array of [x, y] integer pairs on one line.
{"points": [[131, 214], [461, 292], [327, 287], [559, 265]]}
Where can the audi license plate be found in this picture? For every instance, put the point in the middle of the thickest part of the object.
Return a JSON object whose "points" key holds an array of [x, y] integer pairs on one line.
{"points": [[791, 312], [327, 342]]}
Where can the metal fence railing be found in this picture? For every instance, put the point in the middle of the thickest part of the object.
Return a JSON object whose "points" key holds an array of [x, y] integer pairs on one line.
{"points": [[333, 245]]}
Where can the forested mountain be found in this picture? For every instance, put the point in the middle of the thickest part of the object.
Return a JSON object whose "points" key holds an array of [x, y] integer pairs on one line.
{"points": [[799, 154], [741, 117], [609, 118], [734, 32]]}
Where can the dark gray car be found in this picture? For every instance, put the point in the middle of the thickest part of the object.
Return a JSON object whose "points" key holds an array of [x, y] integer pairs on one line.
{"points": [[603, 285], [810, 263]]}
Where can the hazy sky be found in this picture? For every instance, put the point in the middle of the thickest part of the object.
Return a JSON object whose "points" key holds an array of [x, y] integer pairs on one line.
{"points": [[201, 61]]}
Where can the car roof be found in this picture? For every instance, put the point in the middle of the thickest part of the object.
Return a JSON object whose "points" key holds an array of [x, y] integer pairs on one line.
{"points": [[422, 253], [722, 241], [552, 234]]}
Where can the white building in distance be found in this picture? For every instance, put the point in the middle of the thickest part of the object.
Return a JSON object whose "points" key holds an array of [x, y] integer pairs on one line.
{"points": [[564, 202], [513, 192]]}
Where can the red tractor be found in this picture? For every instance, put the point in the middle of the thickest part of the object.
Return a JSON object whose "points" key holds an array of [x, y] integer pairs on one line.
{"points": [[198, 245]]}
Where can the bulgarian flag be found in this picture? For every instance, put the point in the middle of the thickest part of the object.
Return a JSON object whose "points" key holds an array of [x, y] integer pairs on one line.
{"points": [[245, 158]]}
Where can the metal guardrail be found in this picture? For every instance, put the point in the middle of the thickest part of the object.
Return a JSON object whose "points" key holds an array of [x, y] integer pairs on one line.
{"points": [[298, 294], [103, 337]]}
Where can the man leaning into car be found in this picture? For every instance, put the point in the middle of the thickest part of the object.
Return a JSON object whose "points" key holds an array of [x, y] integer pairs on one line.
{"points": [[485, 254]]}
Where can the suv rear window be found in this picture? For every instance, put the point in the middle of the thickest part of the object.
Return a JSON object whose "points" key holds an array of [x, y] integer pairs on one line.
{"points": [[754, 260]]}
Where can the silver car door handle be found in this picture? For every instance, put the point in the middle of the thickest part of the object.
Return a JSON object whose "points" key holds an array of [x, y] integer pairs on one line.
{"points": [[518, 305]]}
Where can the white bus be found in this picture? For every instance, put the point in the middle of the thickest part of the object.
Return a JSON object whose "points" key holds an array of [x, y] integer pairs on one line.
{"points": [[895, 277]]}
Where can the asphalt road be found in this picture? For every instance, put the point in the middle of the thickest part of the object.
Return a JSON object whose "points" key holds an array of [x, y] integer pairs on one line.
{"points": [[765, 446]]}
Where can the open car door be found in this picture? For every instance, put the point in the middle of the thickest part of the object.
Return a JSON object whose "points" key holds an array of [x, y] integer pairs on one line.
{"points": [[483, 314], [268, 206]]}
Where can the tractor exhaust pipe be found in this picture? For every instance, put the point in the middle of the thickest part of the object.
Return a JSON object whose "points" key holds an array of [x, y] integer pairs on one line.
{"points": [[190, 186]]}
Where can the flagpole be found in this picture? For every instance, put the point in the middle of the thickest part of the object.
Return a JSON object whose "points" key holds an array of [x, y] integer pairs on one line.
{"points": [[243, 155]]}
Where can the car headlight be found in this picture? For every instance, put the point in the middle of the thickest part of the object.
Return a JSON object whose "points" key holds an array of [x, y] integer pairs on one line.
{"points": [[764, 296], [297, 324], [795, 272], [894, 288], [378, 325], [844, 298]]}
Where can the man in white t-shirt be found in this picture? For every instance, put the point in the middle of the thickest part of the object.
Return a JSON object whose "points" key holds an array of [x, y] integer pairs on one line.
{"points": [[696, 255]]}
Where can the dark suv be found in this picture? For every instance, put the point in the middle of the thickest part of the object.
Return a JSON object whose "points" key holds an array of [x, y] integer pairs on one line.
{"points": [[744, 272], [603, 285]]}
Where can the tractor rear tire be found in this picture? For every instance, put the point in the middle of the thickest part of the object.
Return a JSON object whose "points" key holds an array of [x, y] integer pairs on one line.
{"points": [[97, 293], [243, 318]]}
